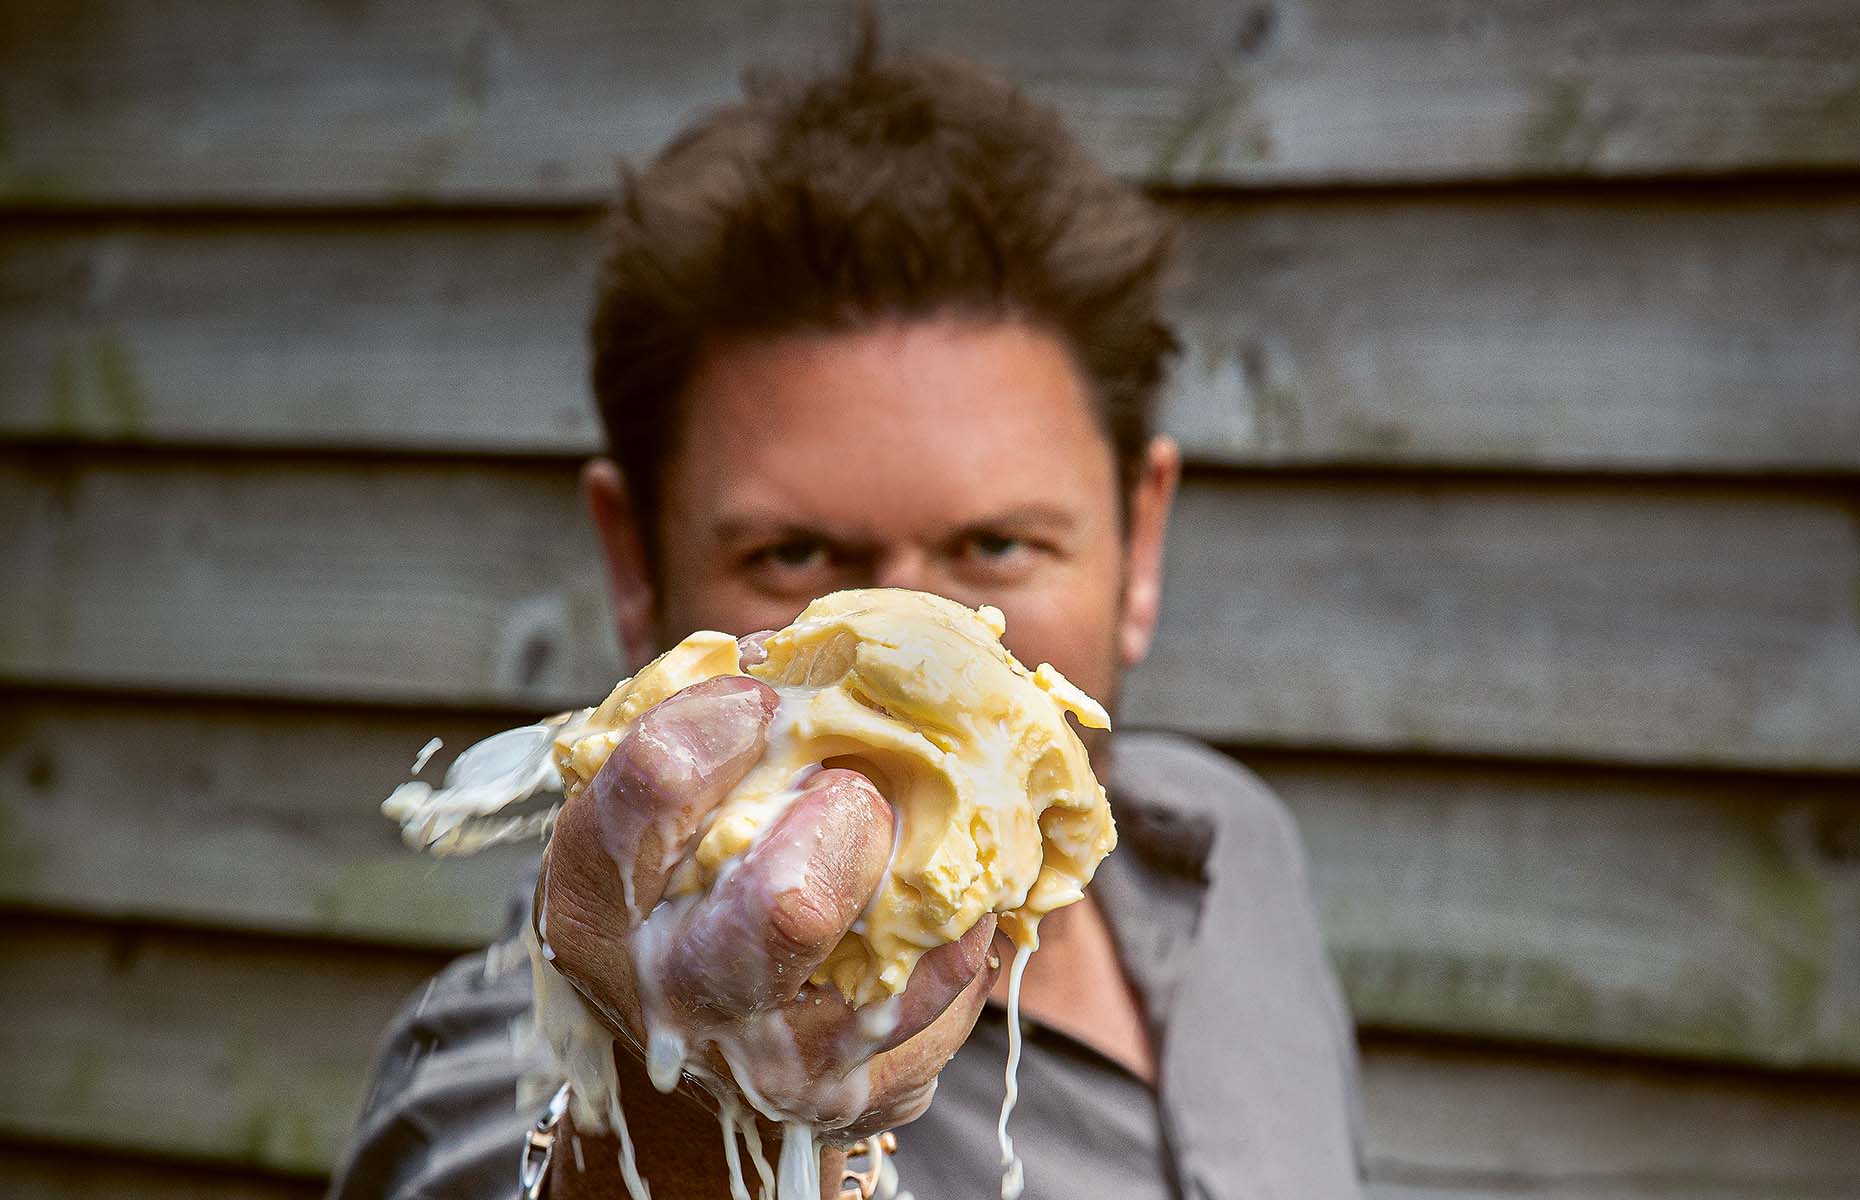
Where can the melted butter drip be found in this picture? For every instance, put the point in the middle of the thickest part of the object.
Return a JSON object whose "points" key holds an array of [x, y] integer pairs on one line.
{"points": [[1011, 1171]]}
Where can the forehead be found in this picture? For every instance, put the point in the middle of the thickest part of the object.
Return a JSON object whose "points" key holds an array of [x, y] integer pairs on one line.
{"points": [[889, 430]]}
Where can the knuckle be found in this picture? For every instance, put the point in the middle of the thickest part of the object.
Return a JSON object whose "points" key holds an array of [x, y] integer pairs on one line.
{"points": [[800, 922]]}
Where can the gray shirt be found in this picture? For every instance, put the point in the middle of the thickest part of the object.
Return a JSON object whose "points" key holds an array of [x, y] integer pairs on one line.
{"points": [[1211, 914]]}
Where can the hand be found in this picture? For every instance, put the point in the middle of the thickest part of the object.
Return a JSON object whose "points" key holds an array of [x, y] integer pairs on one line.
{"points": [[730, 967]]}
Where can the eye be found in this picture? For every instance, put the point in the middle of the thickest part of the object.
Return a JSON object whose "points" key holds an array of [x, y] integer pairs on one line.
{"points": [[793, 554], [995, 546]]}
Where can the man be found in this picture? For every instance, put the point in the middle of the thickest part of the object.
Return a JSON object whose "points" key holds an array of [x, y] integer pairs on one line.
{"points": [[891, 327]]}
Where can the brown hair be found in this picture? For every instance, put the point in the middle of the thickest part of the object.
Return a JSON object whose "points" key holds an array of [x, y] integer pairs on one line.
{"points": [[898, 186]]}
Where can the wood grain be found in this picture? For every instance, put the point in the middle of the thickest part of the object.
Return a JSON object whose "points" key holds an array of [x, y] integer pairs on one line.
{"points": [[1638, 622], [1459, 1116], [271, 1045], [259, 818], [1646, 329], [1700, 916], [110, 101], [80, 1174], [1630, 622], [1686, 915]]}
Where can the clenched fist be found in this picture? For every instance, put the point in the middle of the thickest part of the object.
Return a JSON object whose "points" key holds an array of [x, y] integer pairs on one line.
{"points": [[719, 980]]}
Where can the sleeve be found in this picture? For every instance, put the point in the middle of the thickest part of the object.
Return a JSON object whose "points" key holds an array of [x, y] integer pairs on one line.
{"points": [[442, 1117]]}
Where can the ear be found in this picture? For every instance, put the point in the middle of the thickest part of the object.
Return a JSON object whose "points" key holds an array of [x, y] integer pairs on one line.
{"points": [[616, 522], [1150, 502]]}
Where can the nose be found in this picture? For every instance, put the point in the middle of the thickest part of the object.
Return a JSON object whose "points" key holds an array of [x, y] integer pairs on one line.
{"points": [[903, 567]]}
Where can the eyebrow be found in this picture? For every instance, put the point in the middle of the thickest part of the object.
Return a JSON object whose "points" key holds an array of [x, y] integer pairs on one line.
{"points": [[759, 526], [1045, 518]]}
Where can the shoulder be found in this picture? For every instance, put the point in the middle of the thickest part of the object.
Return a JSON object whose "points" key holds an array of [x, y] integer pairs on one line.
{"points": [[1181, 800], [443, 1115]]}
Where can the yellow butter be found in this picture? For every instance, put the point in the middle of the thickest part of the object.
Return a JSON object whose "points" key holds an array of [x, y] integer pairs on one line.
{"points": [[997, 805]]}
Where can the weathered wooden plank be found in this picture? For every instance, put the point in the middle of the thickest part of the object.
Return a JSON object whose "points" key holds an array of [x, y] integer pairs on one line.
{"points": [[114, 101], [256, 817], [84, 1174], [1649, 329], [1701, 916], [1634, 622], [271, 1044], [1456, 1117], [456, 583], [268, 1043]]}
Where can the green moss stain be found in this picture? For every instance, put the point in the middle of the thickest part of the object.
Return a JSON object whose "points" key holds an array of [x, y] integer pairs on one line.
{"points": [[415, 899], [83, 1088], [1218, 127], [1782, 905], [1558, 129], [20, 858], [62, 401], [94, 389], [118, 387]]}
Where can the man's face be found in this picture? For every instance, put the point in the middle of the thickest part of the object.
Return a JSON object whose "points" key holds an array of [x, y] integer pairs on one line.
{"points": [[959, 458]]}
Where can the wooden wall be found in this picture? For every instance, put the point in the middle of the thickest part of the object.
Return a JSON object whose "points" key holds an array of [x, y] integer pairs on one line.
{"points": [[1521, 548]]}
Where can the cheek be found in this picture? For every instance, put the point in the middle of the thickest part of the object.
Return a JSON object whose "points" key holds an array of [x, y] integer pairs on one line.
{"points": [[718, 600], [1075, 630]]}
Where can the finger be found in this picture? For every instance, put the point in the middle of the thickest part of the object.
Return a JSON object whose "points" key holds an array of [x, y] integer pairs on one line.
{"points": [[938, 979], [773, 916], [750, 649], [676, 764], [901, 1080], [841, 1037]]}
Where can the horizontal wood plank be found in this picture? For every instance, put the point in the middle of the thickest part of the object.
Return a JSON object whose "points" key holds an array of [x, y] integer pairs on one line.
{"points": [[1688, 915], [1443, 1120], [1697, 916], [112, 101], [1632, 622], [1651, 330], [84, 1174], [271, 1045], [258, 818]]}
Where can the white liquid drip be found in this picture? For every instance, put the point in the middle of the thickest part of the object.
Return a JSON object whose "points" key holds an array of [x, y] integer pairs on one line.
{"points": [[629, 1163], [665, 1058], [752, 1137], [425, 755], [800, 1163], [1011, 1172], [727, 1118]]}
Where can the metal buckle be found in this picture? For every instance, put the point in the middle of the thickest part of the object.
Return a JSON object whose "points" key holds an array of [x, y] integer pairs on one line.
{"points": [[539, 1148], [865, 1183]]}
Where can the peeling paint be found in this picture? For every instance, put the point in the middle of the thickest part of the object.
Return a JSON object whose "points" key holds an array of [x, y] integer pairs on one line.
{"points": [[1217, 128]]}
